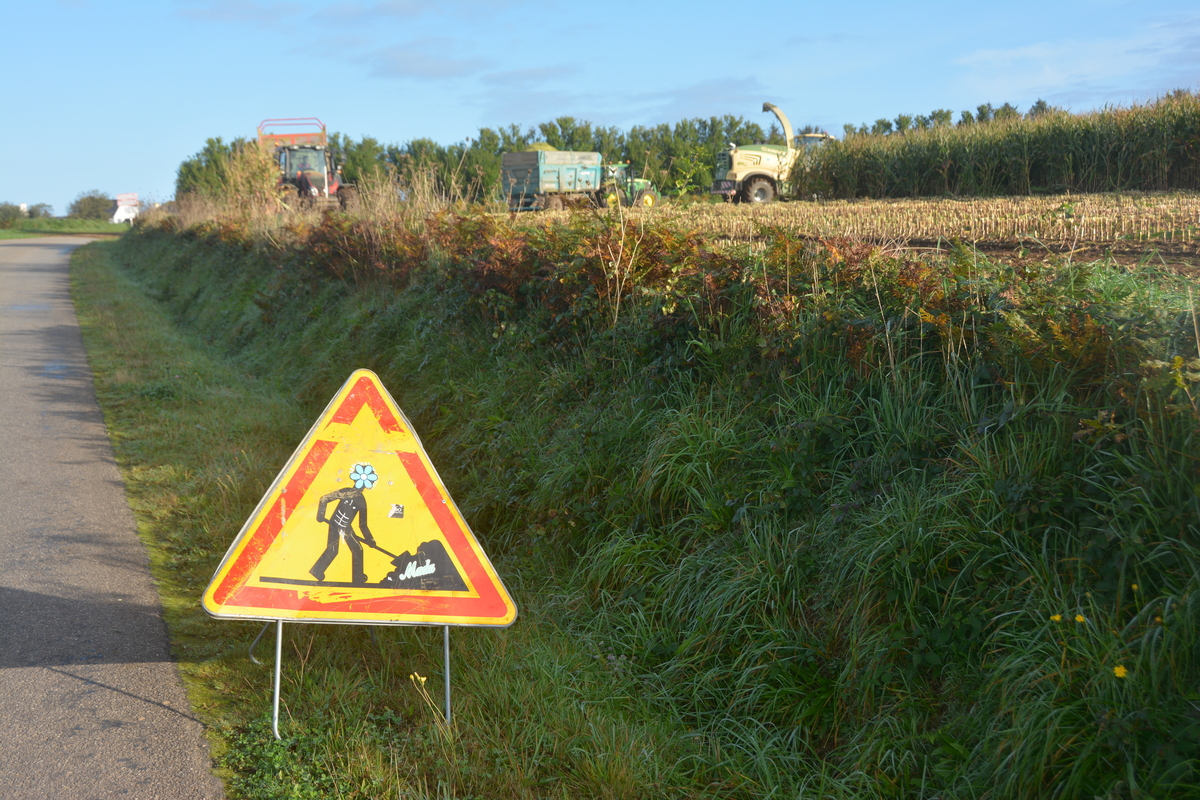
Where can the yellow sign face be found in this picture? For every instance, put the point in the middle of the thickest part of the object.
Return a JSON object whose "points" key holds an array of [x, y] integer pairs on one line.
{"points": [[358, 527]]}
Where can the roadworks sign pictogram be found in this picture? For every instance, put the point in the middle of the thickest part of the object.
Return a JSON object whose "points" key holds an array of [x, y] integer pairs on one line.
{"points": [[359, 528]]}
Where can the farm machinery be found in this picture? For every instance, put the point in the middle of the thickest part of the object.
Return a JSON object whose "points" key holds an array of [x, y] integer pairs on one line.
{"points": [[552, 179], [758, 173], [301, 149]]}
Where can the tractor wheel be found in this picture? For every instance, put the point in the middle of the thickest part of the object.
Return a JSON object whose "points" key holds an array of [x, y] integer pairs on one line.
{"points": [[348, 198], [610, 199], [647, 198], [759, 190]]}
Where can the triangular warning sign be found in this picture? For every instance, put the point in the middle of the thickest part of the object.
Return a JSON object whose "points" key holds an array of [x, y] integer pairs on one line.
{"points": [[358, 527]]}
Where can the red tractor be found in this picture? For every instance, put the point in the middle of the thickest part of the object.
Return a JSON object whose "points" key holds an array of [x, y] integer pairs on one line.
{"points": [[305, 163]]}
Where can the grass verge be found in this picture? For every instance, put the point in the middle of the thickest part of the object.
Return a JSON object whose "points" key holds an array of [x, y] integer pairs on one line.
{"points": [[28, 228], [812, 520], [538, 712], [51, 225]]}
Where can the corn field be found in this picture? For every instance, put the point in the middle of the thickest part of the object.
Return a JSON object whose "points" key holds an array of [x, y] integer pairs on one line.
{"points": [[1151, 147]]}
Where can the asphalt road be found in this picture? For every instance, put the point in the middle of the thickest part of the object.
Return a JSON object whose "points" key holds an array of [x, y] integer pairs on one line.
{"points": [[91, 705]]}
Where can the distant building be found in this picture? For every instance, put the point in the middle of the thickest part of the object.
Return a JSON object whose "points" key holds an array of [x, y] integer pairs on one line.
{"points": [[125, 208]]}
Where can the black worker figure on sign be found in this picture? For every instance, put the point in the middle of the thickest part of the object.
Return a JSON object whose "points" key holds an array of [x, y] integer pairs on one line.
{"points": [[350, 504]]}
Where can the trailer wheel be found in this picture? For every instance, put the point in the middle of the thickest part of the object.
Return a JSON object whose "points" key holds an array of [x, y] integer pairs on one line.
{"points": [[647, 198], [554, 203], [760, 190]]}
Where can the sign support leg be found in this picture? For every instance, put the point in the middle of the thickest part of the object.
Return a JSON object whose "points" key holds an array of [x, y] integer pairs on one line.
{"points": [[254, 644], [278, 658], [446, 649]]}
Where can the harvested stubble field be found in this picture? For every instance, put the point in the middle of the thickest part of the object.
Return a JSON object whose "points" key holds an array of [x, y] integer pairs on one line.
{"points": [[1126, 225]]}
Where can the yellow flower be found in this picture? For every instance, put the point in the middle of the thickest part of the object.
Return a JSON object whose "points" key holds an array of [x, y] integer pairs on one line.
{"points": [[1158, 620], [1120, 671], [1079, 618], [1134, 587], [1056, 617]]}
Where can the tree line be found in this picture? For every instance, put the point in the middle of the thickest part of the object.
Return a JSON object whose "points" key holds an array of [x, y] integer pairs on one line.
{"points": [[944, 118], [679, 158], [92, 204], [989, 150], [11, 212]]}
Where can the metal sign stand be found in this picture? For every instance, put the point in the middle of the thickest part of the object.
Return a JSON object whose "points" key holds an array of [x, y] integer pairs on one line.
{"points": [[279, 659], [446, 649]]}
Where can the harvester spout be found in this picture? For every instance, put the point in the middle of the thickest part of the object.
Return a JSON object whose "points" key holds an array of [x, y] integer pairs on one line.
{"points": [[783, 121]]}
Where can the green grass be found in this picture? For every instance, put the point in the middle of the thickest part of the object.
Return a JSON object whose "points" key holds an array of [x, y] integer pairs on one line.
{"points": [[538, 712], [51, 226], [762, 546]]}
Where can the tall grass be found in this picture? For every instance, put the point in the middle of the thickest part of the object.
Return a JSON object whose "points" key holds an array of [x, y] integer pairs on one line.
{"points": [[812, 519], [386, 205], [1145, 148]]}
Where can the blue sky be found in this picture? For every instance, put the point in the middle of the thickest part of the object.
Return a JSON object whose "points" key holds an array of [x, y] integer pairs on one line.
{"points": [[113, 95]]}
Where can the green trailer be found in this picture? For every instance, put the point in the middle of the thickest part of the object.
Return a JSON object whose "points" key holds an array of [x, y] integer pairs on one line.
{"points": [[554, 179]]}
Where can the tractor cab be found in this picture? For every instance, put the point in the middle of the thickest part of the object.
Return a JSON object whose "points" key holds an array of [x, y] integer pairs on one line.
{"points": [[622, 188], [807, 141], [302, 153], [300, 163]]}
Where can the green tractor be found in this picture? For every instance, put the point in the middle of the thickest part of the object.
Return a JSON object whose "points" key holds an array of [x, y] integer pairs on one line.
{"points": [[621, 188]]}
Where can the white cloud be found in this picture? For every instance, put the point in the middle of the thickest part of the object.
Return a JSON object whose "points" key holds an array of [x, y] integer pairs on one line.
{"points": [[742, 96], [1152, 59], [526, 78], [528, 97], [270, 16], [354, 14], [423, 59]]}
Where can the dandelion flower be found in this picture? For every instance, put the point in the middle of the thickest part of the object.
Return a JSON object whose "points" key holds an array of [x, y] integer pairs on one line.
{"points": [[1120, 671], [1134, 587], [1056, 617], [1079, 618]]}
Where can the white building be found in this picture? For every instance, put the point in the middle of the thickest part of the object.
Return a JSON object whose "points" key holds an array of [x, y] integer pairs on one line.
{"points": [[127, 208], [124, 214]]}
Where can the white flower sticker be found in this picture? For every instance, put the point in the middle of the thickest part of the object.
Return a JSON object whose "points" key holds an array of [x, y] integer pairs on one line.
{"points": [[363, 475]]}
